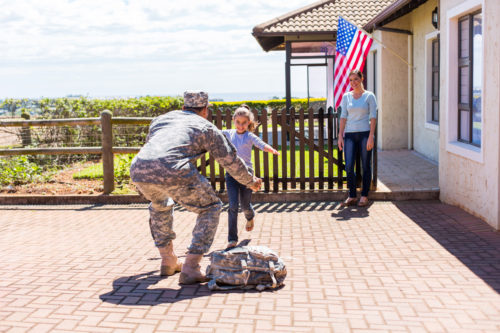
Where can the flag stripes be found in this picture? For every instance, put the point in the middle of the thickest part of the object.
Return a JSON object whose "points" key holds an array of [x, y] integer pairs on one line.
{"points": [[353, 58]]}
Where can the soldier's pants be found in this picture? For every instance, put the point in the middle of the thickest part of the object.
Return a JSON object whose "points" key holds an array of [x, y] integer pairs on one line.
{"points": [[196, 195]]}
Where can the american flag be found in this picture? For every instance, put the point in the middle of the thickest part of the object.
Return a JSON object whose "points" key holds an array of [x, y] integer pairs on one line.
{"points": [[352, 48]]}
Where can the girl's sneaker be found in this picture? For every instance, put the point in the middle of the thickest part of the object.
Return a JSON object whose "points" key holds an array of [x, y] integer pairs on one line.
{"points": [[249, 225], [232, 244]]}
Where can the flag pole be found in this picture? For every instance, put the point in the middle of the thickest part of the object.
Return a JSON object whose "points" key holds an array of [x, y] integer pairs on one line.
{"points": [[387, 48], [382, 44]]}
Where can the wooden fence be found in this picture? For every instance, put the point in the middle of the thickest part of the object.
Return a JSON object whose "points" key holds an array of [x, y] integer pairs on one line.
{"points": [[302, 136]]}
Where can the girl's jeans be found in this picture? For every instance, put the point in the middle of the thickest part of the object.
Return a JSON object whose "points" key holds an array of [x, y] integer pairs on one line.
{"points": [[237, 194], [354, 142]]}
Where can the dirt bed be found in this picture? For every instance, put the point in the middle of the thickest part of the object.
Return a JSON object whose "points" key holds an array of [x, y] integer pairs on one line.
{"points": [[62, 183]]}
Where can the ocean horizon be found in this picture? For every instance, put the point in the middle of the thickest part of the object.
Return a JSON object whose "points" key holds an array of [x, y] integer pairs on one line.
{"points": [[224, 96]]}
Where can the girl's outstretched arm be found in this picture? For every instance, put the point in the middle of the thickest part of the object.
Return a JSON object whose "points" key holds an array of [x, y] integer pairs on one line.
{"points": [[269, 149], [262, 145]]}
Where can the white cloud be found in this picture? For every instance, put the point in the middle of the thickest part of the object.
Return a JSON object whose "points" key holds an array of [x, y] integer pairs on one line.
{"points": [[139, 38]]}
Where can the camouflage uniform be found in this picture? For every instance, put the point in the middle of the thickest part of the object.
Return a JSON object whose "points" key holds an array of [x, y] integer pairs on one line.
{"points": [[165, 172]]}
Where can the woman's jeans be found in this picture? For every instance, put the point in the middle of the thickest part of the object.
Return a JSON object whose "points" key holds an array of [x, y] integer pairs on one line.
{"points": [[354, 142], [237, 194]]}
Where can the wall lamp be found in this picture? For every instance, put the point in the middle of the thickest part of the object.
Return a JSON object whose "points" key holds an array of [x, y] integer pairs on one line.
{"points": [[435, 17]]}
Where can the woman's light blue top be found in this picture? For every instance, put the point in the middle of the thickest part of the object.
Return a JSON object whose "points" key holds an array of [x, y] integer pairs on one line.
{"points": [[358, 112], [244, 143]]}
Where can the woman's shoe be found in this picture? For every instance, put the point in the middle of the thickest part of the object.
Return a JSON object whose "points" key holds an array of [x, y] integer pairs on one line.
{"points": [[249, 225], [349, 202], [363, 202]]}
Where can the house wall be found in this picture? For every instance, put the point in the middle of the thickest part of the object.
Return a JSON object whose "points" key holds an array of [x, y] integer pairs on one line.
{"points": [[392, 88], [469, 178], [402, 92], [425, 133]]}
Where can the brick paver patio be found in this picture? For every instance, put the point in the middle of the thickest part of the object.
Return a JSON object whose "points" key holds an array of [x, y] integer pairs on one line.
{"points": [[406, 170], [407, 266]]}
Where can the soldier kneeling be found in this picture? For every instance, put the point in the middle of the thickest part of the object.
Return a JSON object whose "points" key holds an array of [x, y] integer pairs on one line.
{"points": [[165, 172]]}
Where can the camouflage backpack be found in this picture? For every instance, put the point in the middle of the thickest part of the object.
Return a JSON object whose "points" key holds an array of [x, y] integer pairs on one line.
{"points": [[245, 267]]}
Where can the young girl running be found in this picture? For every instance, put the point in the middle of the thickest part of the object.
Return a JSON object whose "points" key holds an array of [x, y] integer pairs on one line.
{"points": [[243, 139]]}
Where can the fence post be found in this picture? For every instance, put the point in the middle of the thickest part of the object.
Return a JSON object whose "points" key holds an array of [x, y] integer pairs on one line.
{"points": [[107, 152], [25, 131]]}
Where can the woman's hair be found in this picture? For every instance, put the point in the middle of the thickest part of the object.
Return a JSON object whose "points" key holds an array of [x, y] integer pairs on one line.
{"points": [[356, 72], [244, 111]]}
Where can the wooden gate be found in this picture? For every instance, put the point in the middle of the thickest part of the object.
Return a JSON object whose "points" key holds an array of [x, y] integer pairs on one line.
{"points": [[307, 140]]}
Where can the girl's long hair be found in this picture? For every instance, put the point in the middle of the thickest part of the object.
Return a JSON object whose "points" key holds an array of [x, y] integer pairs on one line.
{"points": [[244, 111]]}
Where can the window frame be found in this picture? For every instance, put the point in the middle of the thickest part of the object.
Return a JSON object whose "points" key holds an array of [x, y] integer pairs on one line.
{"points": [[429, 86], [435, 69], [449, 67], [466, 62]]}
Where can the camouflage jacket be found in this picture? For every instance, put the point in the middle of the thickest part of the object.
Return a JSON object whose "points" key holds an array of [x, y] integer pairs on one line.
{"points": [[175, 141]]}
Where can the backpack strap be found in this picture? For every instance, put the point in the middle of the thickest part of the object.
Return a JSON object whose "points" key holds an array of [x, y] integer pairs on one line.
{"points": [[245, 272], [271, 272]]}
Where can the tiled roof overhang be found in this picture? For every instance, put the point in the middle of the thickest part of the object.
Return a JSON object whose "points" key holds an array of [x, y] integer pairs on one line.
{"points": [[392, 12], [319, 18]]}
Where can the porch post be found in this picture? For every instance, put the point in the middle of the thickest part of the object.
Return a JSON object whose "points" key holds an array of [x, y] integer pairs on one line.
{"points": [[288, 49]]}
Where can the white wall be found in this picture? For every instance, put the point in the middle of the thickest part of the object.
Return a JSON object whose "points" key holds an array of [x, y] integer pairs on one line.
{"points": [[401, 90], [425, 133], [392, 88], [468, 176]]}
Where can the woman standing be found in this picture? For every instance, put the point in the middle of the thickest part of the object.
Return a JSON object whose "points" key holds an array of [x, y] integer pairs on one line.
{"points": [[357, 122]]}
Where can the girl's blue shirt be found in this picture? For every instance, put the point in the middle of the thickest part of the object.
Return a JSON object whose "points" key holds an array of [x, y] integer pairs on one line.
{"points": [[244, 143]]}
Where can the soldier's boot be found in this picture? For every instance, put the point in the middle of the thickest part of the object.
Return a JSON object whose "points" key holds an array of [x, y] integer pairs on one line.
{"points": [[191, 273], [169, 262]]}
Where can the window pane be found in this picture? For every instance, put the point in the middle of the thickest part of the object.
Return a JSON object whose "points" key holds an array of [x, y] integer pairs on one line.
{"points": [[464, 125], [464, 38], [435, 84], [312, 48], [477, 78], [435, 53], [435, 111], [464, 85]]}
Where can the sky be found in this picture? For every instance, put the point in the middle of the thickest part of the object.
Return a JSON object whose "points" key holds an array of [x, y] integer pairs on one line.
{"points": [[98, 48]]}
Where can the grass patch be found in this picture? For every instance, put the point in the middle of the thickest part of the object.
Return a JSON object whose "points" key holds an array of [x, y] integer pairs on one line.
{"points": [[121, 165], [307, 156], [92, 172]]}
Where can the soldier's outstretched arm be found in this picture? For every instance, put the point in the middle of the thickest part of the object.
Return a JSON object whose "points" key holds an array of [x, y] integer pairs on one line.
{"points": [[224, 152]]}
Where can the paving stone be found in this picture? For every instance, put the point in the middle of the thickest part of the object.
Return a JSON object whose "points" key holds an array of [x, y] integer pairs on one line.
{"points": [[393, 266]]}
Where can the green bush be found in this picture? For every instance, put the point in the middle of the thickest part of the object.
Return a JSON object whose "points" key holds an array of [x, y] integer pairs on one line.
{"points": [[274, 103], [123, 135], [18, 170], [83, 107]]}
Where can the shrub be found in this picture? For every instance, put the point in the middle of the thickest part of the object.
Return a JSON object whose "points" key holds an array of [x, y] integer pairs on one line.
{"points": [[274, 103], [18, 170], [124, 136]]}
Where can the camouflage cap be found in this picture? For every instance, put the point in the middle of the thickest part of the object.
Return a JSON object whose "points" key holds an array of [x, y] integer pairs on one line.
{"points": [[196, 99]]}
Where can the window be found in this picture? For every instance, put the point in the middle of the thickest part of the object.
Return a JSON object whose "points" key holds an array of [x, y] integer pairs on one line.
{"points": [[463, 81], [435, 81], [432, 80], [470, 46]]}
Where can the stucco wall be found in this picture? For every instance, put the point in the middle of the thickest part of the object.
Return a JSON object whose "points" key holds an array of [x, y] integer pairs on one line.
{"points": [[425, 134], [392, 89], [472, 183]]}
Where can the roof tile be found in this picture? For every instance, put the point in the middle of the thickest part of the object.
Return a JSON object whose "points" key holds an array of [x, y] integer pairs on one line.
{"points": [[324, 17]]}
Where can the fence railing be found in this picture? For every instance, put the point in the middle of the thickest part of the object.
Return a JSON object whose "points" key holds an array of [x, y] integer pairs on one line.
{"points": [[309, 158]]}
